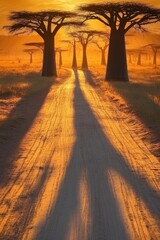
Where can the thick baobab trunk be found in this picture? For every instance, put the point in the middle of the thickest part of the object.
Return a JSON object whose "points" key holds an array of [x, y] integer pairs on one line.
{"points": [[84, 60], [117, 62], [103, 59], [74, 61], [49, 61]]}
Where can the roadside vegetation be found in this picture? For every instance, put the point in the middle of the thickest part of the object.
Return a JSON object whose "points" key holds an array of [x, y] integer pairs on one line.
{"points": [[138, 100], [17, 83]]}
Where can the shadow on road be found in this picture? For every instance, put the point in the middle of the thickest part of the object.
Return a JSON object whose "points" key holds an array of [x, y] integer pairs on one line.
{"points": [[93, 156], [89, 78], [138, 97], [27, 202], [15, 127]]}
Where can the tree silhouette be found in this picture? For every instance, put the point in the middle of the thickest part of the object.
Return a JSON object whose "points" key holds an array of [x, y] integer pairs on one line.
{"points": [[155, 48], [130, 53], [60, 50], [46, 24], [39, 45], [74, 58], [140, 52], [85, 37], [30, 52], [120, 18], [102, 45]]}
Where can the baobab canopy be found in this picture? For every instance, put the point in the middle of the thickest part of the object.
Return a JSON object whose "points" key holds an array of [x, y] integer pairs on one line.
{"points": [[46, 24], [41, 22], [122, 15], [120, 18]]}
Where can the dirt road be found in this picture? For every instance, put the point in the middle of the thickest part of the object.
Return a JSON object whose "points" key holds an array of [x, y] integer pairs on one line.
{"points": [[80, 173]]}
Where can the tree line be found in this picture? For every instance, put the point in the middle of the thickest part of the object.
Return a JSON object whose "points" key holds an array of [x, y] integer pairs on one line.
{"points": [[118, 17]]}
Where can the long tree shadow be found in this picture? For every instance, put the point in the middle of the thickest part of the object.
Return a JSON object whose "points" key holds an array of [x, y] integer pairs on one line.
{"points": [[89, 77], [16, 126], [93, 156], [137, 96], [28, 203]]}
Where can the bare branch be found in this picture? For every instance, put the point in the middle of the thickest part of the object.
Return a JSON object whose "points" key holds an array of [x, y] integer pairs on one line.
{"points": [[39, 45], [122, 16], [40, 22]]}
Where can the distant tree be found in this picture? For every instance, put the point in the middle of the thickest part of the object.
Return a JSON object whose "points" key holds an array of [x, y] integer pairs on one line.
{"points": [[19, 60], [39, 45], [74, 58], [74, 61], [1, 51], [85, 37], [46, 24], [155, 48], [138, 53], [130, 54], [102, 44], [120, 18], [60, 50], [30, 52]]}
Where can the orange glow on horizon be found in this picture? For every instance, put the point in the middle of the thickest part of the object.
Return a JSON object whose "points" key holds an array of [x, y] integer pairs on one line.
{"points": [[37, 5], [12, 46]]}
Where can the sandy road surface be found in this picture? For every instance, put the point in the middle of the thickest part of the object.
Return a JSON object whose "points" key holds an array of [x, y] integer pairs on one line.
{"points": [[81, 174]]}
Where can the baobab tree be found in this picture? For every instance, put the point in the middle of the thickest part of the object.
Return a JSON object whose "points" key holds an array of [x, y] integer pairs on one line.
{"points": [[30, 51], [85, 37], [130, 53], [60, 50], [39, 45], [155, 48], [46, 24], [102, 44], [74, 58], [137, 53], [120, 18], [1, 51], [140, 52]]}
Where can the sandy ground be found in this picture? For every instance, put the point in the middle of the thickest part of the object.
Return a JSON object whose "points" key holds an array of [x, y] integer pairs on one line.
{"points": [[80, 173]]}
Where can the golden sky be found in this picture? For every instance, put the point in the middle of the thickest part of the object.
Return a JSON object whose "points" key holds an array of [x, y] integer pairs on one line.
{"points": [[7, 6]]}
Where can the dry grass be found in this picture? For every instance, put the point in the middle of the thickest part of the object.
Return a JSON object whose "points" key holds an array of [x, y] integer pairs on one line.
{"points": [[155, 99], [142, 94], [13, 90], [18, 82], [139, 99]]}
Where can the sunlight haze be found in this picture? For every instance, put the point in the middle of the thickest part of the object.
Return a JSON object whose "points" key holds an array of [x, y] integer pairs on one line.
{"points": [[36, 5], [79, 120], [16, 42]]}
